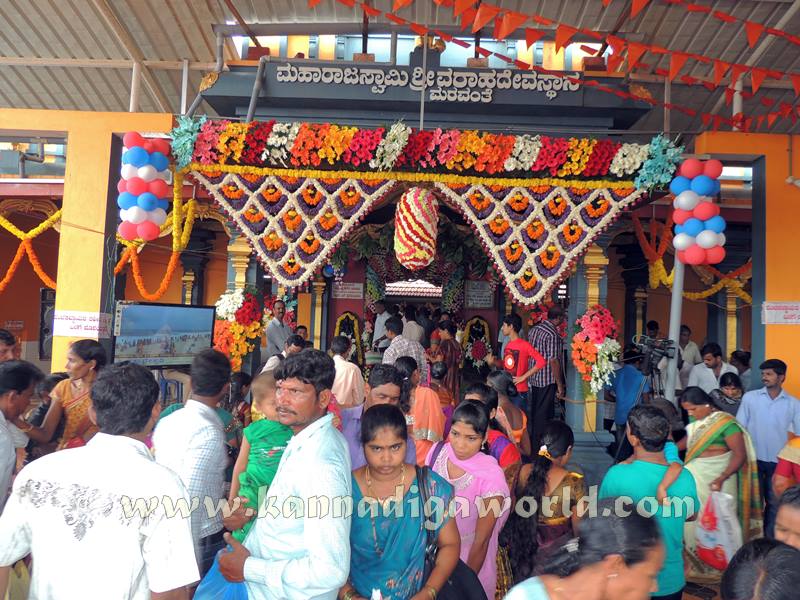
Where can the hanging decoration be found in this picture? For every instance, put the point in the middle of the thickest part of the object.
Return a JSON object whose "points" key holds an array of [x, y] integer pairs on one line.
{"points": [[415, 227], [143, 187], [595, 348], [348, 325], [699, 228], [239, 324], [25, 248]]}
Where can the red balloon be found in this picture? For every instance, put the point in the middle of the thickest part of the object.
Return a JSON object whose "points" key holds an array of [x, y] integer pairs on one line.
{"points": [[680, 216], [147, 230], [681, 254], [715, 255], [160, 188], [148, 146], [137, 186], [161, 145], [691, 168], [132, 139], [122, 186], [705, 210], [695, 255], [712, 168], [127, 230]]}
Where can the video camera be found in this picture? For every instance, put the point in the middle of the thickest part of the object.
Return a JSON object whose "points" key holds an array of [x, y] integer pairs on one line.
{"points": [[653, 350]]}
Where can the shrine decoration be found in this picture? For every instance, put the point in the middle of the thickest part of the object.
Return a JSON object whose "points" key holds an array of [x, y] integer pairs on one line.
{"points": [[535, 202], [416, 222], [699, 228], [239, 324], [348, 325], [25, 248], [476, 343], [595, 348]]}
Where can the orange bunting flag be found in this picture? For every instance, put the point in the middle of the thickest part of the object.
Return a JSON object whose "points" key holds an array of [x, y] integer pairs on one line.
{"points": [[676, 62], [462, 5], [720, 68], [614, 61], [370, 10], [757, 77], [564, 34], [522, 64], [754, 31], [635, 52], [467, 17], [606, 2], [401, 4], [533, 35], [485, 13], [510, 23], [771, 117], [483, 51], [313, 3], [420, 30], [637, 6], [736, 70], [796, 84]]}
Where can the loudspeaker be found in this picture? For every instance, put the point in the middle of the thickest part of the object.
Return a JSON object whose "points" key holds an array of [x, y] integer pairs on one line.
{"points": [[47, 309]]}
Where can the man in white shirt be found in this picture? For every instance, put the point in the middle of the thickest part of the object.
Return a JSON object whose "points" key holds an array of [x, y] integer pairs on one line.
{"points": [[348, 385], [411, 329], [706, 374], [690, 354], [18, 381], [294, 344], [379, 330], [191, 442], [277, 331], [289, 553], [97, 519]]}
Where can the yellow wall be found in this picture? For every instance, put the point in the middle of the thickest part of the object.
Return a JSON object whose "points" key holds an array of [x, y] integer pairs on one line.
{"points": [[86, 185], [782, 283]]}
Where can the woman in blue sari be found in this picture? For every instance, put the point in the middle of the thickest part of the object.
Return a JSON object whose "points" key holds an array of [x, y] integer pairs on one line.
{"points": [[387, 537]]}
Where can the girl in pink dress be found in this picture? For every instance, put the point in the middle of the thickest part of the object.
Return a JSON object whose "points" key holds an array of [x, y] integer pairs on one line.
{"points": [[480, 489]]}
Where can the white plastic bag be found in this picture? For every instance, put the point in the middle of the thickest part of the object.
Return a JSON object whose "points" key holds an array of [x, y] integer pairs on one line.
{"points": [[718, 534]]}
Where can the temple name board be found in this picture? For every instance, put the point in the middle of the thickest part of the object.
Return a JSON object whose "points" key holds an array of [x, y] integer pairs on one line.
{"points": [[442, 85], [347, 291], [478, 294], [780, 313]]}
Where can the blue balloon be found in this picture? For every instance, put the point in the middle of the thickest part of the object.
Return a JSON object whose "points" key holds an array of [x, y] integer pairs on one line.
{"points": [[159, 161], [163, 204], [691, 227], [147, 201], [679, 229], [717, 187], [680, 184], [136, 156], [703, 185], [715, 224], [126, 200]]}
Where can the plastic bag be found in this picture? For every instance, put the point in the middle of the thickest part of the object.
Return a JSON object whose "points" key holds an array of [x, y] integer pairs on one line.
{"points": [[718, 534], [215, 587]]}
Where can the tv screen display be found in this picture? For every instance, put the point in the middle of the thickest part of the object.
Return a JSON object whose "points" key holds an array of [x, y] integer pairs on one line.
{"points": [[161, 335]]}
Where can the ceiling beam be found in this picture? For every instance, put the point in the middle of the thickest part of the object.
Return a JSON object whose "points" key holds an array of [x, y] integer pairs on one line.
{"points": [[131, 47], [101, 63]]}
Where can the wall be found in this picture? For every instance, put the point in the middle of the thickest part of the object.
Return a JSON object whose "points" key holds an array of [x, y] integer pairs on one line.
{"points": [[153, 260], [782, 201], [216, 270]]}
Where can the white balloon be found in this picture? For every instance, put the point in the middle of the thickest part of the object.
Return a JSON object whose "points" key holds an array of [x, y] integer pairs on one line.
{"points": [[682, 241], [686, 200], [157, 216], [721, 239], [123, 214], [147, 172], [137, 215], [707, 239], [128, 171]]}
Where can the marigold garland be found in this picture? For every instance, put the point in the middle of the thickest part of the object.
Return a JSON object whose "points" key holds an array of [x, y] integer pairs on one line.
{"points": [[25, 248]]}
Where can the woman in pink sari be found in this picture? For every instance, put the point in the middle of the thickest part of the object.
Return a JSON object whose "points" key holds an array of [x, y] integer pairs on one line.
{"points": [[480, 489]]}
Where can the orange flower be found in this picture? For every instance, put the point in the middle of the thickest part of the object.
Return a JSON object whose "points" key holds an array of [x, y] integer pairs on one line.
{"points": [[498, 225], [528, 280], [518, 202], [597, 207], [329, 181], [272, 241], [573, 233], [513, 252], [550, 257], [557, 206], [350, 197], [312, 195], [535, 229], [271, 194], [253, 215], [231, 192], [479, 201], [251, 177], [328, 221], [309, 244], [290, 266], [292, 220]]}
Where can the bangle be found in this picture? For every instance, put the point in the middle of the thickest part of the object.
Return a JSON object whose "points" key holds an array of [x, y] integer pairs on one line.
{"points": [[432, 591], [348, 595]]}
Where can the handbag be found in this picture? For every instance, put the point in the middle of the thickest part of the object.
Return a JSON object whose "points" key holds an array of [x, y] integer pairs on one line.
{"points": [[463, 583]]}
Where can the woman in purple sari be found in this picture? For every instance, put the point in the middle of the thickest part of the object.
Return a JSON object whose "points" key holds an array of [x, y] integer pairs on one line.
{"points": [[480, 489]]}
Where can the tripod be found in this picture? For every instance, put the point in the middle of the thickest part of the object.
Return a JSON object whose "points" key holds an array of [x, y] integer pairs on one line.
{"points": [[652, 376]]}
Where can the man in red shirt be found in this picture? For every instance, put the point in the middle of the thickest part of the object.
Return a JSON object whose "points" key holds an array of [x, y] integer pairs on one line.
{"points": [[517, 357]]}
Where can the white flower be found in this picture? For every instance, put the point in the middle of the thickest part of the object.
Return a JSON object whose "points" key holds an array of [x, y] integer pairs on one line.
{"points": [[229, 303], [391, 147], [607, 354], [526, 150], [628, 159], [279, 143]]}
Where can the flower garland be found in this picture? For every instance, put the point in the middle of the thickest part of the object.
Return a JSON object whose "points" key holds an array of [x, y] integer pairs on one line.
{"points": [[270, 144], [476, 348], [25, 248], [594, 347], [239, 324]]}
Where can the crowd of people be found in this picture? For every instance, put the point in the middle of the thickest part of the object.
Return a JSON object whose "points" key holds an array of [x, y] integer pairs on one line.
{"points": [[312, 479]]}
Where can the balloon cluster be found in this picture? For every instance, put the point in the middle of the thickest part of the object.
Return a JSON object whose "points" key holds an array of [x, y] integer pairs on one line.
{"points": [[699, 228], [143, 188]]}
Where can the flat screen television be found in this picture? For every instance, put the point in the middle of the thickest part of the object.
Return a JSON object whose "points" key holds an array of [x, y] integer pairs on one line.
{"points": [[161, 335]]}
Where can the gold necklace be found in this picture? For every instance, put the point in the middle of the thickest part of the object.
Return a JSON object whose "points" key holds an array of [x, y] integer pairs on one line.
{"points": [[384, 503]]}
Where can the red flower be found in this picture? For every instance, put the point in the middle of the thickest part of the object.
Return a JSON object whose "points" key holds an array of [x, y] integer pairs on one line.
{"points": [[479, 350]]}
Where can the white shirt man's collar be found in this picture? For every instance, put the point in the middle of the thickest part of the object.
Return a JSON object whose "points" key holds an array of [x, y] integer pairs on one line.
{"points": [[311, 430], [122, 442], [201, 408]]}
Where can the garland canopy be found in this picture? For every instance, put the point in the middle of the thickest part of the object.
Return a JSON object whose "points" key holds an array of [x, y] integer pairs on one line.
{"points": [[536, 203]]}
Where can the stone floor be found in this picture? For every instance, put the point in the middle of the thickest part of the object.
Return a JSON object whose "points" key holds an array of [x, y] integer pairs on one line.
{"points": [[694, 591]]}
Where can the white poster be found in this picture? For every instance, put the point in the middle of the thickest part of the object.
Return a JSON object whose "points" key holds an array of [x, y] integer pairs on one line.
{"points": [[780, 313], [348, 291], [79, 323]]}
